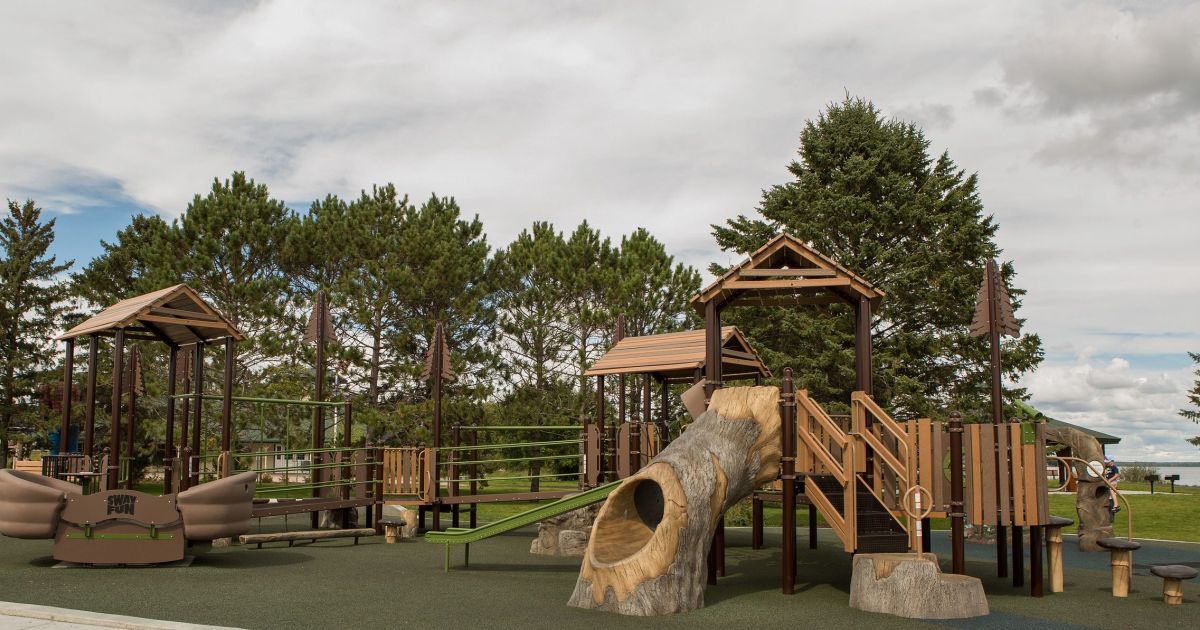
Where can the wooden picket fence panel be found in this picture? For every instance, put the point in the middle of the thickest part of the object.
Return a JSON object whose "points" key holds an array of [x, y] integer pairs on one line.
{"points": [[1005, 479], [405, 472]]}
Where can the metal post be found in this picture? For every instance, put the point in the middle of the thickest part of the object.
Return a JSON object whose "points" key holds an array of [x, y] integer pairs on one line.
{"points": [[227, 398], [435, 472], [601, 478], [473, 471], [197, 409], [185, 451], [997, 406], [812, 526], [788, 475], [957, 516], [1018, 555], [1035, 560], [131, 430], [712, 349], [455, 440], [664, 412], [89, 407], [114, 460], [862, 345], [64, 432], [169, 447]]}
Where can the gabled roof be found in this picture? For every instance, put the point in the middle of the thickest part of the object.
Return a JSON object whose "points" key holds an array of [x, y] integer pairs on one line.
{"points": [[679, 355], [176, 315], [784, 272], [1033, 414]]}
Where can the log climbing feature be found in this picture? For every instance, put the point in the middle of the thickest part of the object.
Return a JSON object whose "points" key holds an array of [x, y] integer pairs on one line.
{"points": [[649, 548]]}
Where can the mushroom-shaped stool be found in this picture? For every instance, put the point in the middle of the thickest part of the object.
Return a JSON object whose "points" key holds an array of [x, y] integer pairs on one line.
{"points": [[1173, 576], [1054, 551], [1121, 553]]}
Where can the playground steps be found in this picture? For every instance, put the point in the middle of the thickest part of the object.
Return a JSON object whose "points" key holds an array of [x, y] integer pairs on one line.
{"points": [[877, 529]]}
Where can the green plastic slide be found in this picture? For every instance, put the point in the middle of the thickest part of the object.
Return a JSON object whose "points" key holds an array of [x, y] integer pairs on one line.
{"points": [[566, 504]]}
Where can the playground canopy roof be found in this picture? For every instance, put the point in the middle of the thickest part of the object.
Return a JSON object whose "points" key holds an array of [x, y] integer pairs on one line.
{"points": [[677, 356], [787, 272], [1033, 414], [175, 315]]}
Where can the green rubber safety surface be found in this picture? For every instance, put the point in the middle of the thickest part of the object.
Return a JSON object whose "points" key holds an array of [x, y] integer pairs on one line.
{"points": [[335, 584]]}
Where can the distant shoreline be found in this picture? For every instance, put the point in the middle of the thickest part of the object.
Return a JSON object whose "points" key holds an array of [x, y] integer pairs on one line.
{"points": [[1172, 464]]}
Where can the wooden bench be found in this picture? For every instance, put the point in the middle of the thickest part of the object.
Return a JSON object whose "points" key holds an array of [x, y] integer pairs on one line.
{"points": [[311, 536], [28, 465]]}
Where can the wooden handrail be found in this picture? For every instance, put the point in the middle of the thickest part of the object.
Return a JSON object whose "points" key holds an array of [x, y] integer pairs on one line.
{"points": [[884, 419], [831, 428]]}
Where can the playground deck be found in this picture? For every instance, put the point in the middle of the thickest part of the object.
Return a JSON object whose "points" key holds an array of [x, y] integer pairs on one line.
{"points": [[335, 584]]}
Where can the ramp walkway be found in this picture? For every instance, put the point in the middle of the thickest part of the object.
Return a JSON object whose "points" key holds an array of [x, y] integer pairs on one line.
{"points": [[461, 536]]}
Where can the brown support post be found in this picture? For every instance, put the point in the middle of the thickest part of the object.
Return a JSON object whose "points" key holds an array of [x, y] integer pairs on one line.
{"points": [[712, 349], [926, 535], [64, 431], [435, 373], [600, 476], [720, 546], [957, 516], [788, 474], [756, 522], [197, 409], [114, 459], [89, 405], [131, 429], [473, 471], [664, 411], [635, 453], [169, 439], [862, 345], [227, 399], [622, 393], [997, 406], [1035, 560], [185, 451], [1018, 556], [812, 527]]}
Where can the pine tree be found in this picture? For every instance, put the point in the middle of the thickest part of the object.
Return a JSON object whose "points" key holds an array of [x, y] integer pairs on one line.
{"points": [[590, 262], [866, 192], [1194, 398], [32, 306], [531, 304], [650, 289], [445, 261], [135, 264], [228, 246]]}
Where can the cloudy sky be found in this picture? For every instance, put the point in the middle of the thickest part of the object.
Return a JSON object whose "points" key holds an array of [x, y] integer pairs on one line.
{"points": [[1082, 120]]}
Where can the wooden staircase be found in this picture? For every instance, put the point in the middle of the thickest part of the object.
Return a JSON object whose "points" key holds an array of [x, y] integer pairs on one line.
{"points": [[857, 478]]}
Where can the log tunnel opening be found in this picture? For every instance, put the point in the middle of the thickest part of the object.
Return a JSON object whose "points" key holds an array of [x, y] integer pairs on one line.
{"points": [[629, 522]]}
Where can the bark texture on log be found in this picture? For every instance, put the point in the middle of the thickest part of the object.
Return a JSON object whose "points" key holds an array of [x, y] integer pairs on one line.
{"points": [[649, 546], [913, 586], [1091, 494]]}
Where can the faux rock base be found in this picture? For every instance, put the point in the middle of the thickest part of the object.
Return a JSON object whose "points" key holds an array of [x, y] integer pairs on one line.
{"points": [[565, 534], [911, 585]]}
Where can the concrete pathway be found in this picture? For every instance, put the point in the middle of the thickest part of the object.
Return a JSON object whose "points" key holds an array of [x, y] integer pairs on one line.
{"points": [[14, 616]]}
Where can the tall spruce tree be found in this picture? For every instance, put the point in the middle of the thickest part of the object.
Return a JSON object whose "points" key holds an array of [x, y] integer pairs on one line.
{"points": [[32, 306], [1194, 398], [590, 261], [867, 192]]}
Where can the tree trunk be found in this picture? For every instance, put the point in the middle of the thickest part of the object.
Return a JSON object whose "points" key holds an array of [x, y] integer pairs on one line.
{"points": [[373, 384], [649, 548], [1091, 493]]}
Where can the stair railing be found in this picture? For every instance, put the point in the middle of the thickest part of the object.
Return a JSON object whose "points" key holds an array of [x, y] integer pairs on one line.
{"points": [[901, 463], [811, 419]]}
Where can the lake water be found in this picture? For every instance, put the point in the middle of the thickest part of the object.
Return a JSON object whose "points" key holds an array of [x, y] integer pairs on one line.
{"points": [[1188, 475]]}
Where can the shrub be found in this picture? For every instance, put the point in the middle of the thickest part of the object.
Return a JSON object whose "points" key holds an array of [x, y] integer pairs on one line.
{"points": [[1137, 474]]}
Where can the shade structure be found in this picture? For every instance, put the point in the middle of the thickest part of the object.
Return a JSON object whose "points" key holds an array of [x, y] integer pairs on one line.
{"points": [[677, 356], [176, 315]]}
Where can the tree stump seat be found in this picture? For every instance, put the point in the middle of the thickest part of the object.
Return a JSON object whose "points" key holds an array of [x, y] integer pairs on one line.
{"points": [[393, 529], [1054, 550], [1173, 576], [1121, 557]]}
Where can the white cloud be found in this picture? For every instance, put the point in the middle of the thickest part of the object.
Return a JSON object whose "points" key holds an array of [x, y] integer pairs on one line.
{"points": [[1138, 405], [1080, 119]]}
